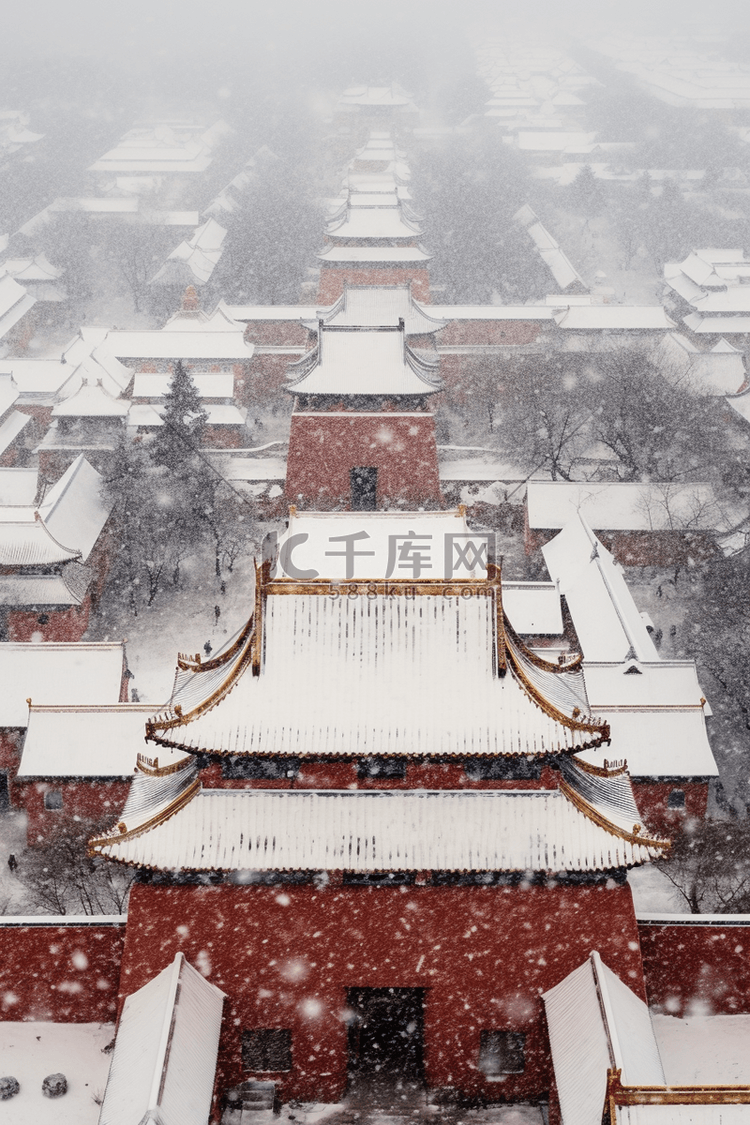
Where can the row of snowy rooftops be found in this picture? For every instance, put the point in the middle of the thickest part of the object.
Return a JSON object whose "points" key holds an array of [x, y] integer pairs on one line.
{"points": [[679, 74], [166, 147], [716, 283], [63, 527], [655, 709]]}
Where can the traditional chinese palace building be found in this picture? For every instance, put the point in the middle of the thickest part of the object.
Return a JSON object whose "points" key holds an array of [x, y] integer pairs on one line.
{"points": [[382, 831]]}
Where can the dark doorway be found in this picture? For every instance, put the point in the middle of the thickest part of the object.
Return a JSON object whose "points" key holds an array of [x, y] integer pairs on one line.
{"points": [[4, 792], [386, 1035], [363, 480]]}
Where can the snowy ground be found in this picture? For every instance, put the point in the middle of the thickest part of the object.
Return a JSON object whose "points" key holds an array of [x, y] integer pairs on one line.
{"points": [[653, 892], [711, 1049], [181, 619], [31, 1051], [12, 842]]}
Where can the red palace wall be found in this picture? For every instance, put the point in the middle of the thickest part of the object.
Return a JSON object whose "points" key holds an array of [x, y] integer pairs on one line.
{"points": [[277, 333], [64, 973], [11, 742], [324, 447], [478, 332], [639, 548], [697, 967], [286, 955], [333, 279], [91, 798], [652, 796], [62, 625], [264, 381]]}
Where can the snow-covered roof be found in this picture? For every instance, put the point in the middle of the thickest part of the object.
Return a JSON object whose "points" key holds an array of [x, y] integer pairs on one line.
{"points": [[717, 325], [378, 255], [91, 401], [606, 620], [25, 541], [249, 313], [391, 96], [219, 414], [15, 302], [163, 1065], [86, 741], [74, 510], [255, 469], [625, 505], [657, 716], [33, 591], [596, 1023], [31, 269], [183, 344], [533, 607], [377, 306], [11, 426], [18, 487], [38, 377], [615, 318], [373, 222], [195, 259], [363, 361], [493, 312], [366, 830], [384, 652], [559, 265], [53, 673], [709, 1049]]}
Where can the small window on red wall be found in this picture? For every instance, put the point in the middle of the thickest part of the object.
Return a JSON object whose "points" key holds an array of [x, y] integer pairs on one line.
{"points": [[53, 799], [676, 799], [501, 1052], [267, 1048]]}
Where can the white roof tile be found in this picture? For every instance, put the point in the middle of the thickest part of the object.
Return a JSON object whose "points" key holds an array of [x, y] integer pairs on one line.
{"points": [[164, 1062], [607, 622], [363, 362], [54, 673], [595, 1022], [377, 830], [384, 655]]}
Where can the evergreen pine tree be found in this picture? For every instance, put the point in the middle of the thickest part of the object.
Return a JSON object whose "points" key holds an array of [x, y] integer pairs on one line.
{"points": [[184, 421]]}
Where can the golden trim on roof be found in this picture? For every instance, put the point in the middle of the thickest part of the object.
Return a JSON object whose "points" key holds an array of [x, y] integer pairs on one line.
{"points": [[700, 1094], [122, 832], [508, 647], [601, 820]]}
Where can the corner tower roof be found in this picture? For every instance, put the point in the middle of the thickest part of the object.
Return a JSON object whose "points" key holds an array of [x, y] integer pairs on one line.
{"points": [[348, 360]]}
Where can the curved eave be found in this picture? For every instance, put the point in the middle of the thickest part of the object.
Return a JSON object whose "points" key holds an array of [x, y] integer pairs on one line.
{"points": [[159, 816], [654, 844]]}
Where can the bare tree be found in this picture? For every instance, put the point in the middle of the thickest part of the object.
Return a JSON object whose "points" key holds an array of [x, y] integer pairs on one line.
{"points": [[709, 865], [61, 878]]}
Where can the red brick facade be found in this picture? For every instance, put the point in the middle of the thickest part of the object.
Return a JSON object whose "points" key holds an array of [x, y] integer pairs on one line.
{"points": [[60, 625], [64, 973], [652, 798], [286, 956], [323, 448], [89, 798], [697, 968], [333, 279]]}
